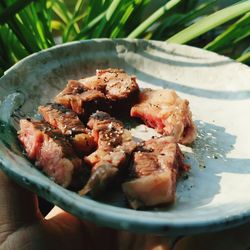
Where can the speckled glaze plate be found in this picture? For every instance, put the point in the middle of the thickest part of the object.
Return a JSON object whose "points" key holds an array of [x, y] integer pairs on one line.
{"points": [[215, 194]]}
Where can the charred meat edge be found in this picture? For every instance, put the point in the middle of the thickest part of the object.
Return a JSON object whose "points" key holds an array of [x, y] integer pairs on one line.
{"points": [[70, 125], [110, 90]]}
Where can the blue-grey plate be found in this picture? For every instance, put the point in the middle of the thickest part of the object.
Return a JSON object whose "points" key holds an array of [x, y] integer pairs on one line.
{"points": [[214, 195]]}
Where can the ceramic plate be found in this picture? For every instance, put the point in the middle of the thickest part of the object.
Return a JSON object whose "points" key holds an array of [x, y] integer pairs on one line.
{"points": [[215, 194]]}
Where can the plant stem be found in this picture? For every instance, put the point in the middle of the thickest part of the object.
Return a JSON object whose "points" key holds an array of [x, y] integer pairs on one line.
{"points": [[13, 9], [210, 22], [153, 18]]}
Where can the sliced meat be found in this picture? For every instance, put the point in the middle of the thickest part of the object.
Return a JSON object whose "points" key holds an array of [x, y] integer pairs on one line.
{"points": [[106, 130], [165, 111], [115, 146], [69, 124], [52, 153], [155, 169], [115, 83], [110, 90], [80, 99], [62, 118]]}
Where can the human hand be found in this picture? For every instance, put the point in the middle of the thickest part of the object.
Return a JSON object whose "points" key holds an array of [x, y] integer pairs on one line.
{"points": [[22, 226]]}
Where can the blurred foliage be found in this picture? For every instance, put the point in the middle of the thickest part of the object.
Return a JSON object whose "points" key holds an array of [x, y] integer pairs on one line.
{"points": [[28, 26]]}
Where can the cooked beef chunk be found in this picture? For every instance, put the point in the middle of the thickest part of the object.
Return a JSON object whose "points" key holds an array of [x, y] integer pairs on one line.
{"points": [[165, 111], [115, 146], [115, 83], [52, 153], [155, 169], [92, 158], [62, 118], [69, 124], [81, 100], [110, 90]]}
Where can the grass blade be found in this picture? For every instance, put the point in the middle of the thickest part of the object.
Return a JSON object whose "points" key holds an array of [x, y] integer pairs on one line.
{"points": [[179, 21], [210, 22], [112, 8], [90, 26], [61, 11], [236, 30], [42, 25], [67, 34], [106, 19], [153, 18], [245, 57], [13, 9], [118, 28]]}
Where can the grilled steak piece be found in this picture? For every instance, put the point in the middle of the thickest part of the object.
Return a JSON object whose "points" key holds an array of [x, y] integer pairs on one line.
{"points": [[155, 169], [115, 146], [52, 153], [80, 99], [165, 111], [62, 118], [110, 90], [116, 84], [69, 124]]}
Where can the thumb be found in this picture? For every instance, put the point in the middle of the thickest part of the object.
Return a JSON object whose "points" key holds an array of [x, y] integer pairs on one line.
{"points": [[18, 206]]}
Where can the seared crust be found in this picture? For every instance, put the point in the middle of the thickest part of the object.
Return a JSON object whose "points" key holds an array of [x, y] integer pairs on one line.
{"points": [[62, 118], [81, 100], [69, 124], [110, 90]]}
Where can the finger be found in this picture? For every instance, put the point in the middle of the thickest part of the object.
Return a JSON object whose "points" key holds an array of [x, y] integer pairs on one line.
{"points": [[69, 230], [107, 238], [93, 236], [17, 205]]}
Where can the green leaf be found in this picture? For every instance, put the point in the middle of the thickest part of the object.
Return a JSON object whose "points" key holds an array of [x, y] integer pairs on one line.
{"points": [[68, 29], [13, 9], [94, 8], [153, 18], [196, 13], [178, 21], [236, 30], [90, 26], [61, 11], [112, 8], [239, 39], [210, 22], [42, 26], [118, 28], [245, 57], [106, 19]]}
